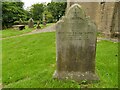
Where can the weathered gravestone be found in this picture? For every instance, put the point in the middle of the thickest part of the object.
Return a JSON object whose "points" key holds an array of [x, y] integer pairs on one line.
{"points": [[76, 46], [44, 19], [20, 21], [38, 25], [31, 23]]}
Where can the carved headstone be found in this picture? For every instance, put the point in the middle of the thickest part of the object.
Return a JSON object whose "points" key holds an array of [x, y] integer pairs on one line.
{"points": [[76, 46], [31, 23]]}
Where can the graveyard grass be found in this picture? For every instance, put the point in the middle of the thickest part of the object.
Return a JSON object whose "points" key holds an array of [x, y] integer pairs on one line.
{"points": [[12, 32], [30, 61]]}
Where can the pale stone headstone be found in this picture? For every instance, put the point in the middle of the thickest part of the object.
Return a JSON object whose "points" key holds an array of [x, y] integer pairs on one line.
{"points": [[31, 23], [44, 19], [76, 46]]}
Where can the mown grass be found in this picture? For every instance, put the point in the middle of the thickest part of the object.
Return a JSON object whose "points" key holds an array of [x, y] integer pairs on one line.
{"points": [[30, 61], [13, 32], [0, 61], [48, 24]]}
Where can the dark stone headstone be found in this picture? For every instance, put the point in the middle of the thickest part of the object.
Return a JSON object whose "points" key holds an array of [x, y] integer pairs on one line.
{"points": [[38, 25]]}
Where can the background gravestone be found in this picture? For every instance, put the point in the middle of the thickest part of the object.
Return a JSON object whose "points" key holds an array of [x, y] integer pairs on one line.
{"points": [[76, 46], [38, 25], [20, 21], [44, 19], [31, 23]]}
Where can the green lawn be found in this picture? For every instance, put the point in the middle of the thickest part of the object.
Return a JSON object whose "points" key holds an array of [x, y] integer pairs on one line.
{"points": [[48, 24], [30, 61], [0, 61], [13, 32]]}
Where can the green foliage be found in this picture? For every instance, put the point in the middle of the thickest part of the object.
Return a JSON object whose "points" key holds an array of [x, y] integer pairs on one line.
{"points": [[28, 14], [48, 16], [16, 22], [29, 62], [36, 11], [20, 21], [23, 22], [53, 11], [57, 9], [0, 59], [12, 11], [12, 32]]}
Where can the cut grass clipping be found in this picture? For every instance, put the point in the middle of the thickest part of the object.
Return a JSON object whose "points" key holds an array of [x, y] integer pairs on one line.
{"points": [[30, 61]]}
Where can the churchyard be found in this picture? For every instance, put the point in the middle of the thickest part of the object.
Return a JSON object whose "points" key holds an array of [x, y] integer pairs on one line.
{"points": [[29, 62], [69, 53], [12, 32]]}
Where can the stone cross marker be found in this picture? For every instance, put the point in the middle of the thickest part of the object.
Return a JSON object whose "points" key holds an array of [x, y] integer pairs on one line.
{"points": [[76, 46], [31, 23]]}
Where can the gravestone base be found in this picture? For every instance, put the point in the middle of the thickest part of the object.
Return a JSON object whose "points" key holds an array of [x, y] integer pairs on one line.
{"points": [[77, 76]]}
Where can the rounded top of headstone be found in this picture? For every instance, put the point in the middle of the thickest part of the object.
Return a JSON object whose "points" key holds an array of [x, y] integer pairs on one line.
{"points": [[75, 10], [30, 20]]}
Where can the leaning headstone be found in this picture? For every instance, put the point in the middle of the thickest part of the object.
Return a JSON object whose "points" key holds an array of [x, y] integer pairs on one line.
{"points": [[76, 46], [38, 25], [31, 23]]}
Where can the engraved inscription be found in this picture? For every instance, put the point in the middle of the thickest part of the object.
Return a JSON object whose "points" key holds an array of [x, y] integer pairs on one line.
{"points": [[76, 35]]}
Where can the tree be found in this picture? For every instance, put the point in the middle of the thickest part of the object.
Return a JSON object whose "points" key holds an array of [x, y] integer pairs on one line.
{"points": [[48, 16], [12, 11], [36, 11], [57, 9], [28, 15]]}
